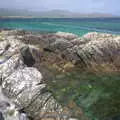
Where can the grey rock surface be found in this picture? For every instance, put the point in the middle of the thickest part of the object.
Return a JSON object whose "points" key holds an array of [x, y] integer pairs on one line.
{"points": [[101, 48], [23, 85]]}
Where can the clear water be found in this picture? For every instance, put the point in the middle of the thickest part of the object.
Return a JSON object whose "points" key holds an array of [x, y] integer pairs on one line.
{"points": [[77, 26], [97, 96]]}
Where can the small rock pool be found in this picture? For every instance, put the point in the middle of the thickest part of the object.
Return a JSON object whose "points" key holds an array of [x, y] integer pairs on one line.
{"points": [[88, 96]]}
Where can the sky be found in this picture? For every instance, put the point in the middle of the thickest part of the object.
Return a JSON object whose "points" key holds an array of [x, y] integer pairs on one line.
{"points": [[82, 6]]}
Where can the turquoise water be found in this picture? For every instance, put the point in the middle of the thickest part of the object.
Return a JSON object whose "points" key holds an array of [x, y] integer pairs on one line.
{"points": [[77, 26]]}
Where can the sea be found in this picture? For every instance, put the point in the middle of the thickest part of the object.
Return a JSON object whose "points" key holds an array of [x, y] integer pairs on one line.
{"points": [[79, 26]]}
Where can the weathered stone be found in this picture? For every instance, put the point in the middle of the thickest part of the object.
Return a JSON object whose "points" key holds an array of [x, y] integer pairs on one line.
{"points": [[24, 85], [100, 51], [10, 65], [60, 45]]}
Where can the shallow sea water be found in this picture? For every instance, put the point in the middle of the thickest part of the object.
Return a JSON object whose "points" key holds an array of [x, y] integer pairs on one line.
{"points": [[77, 26]]}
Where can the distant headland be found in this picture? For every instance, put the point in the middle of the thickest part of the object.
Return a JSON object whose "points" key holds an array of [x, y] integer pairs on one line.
{"points": [[15, 13]]}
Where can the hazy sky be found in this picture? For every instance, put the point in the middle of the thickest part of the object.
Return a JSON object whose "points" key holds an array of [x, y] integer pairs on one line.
{"points": [[104, 6]]}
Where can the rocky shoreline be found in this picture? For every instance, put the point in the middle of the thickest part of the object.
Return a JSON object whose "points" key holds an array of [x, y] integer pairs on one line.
{"points": [[27, 60]]}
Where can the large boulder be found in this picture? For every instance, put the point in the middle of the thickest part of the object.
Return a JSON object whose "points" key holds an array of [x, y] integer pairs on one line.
{"points": [[101, 48], [24, 85], [26, 89]]}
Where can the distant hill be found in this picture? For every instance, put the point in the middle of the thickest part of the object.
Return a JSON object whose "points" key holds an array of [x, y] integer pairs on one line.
{"points": [[49, 14]]}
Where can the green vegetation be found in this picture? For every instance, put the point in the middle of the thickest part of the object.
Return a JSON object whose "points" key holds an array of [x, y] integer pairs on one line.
{"points": [[98, 96], [11, 112]]}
